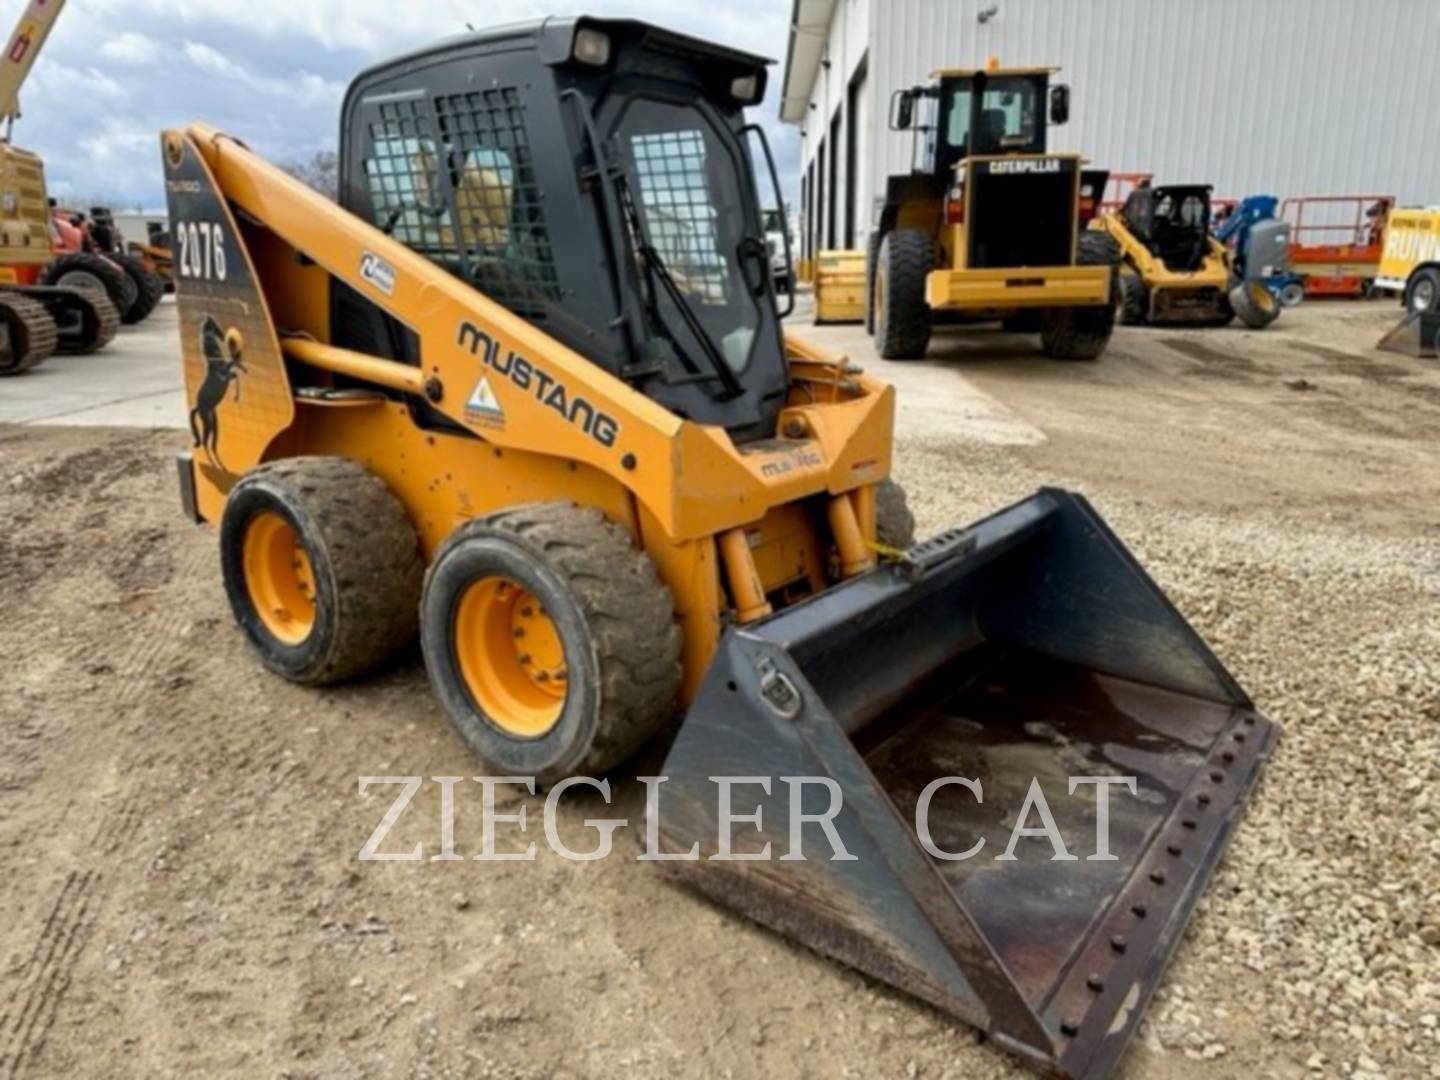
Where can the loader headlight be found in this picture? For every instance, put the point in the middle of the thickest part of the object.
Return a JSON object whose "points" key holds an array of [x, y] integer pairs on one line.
{"points": [[743, 88], [592, 47]]}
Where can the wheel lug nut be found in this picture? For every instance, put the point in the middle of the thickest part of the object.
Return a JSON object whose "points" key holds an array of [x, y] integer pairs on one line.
{"points": [[519, 631]]}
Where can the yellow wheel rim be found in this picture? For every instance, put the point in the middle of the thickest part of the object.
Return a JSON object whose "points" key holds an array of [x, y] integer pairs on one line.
{"points": [[1263, 297], [511, 657], [279, 577]]}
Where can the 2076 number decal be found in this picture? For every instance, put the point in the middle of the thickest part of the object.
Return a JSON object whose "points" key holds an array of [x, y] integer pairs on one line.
{"points": [[202, 250]]}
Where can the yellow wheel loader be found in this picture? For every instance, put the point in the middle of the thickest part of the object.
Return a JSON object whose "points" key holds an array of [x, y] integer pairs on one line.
{"points": [[988, 226], [566, 440], [1174, 270]]}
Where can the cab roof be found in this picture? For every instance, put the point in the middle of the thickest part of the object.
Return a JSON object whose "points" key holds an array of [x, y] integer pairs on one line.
{"points": [[969, 73]]}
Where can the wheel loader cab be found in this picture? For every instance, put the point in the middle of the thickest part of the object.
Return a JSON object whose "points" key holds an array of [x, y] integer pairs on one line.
{"points": [[644, 168]]}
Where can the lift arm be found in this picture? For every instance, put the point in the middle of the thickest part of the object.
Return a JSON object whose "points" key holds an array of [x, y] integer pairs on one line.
{"points": [[25, 43]]}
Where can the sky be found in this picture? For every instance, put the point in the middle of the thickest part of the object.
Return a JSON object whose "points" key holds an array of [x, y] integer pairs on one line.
{"points": [[114, 73]]}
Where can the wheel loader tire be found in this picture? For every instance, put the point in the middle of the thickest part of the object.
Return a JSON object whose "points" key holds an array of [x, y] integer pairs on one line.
{"points": [[81, 270], [872, 255], [1081, 333], [894, 523], [149, 288], [902, 316], [1134, 299], [1255, 304], [550, 641], [322, 568], [30, 335]]}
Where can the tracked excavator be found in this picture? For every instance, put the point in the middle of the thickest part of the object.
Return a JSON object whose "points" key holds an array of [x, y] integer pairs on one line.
{"points": [[36, 320], [525, 393]]}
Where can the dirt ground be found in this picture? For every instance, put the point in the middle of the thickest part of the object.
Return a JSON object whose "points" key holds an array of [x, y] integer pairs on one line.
{"points": [[179, 830]]}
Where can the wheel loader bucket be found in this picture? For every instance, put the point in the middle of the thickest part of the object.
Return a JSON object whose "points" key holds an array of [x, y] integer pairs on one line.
{"points": [[1030, 648]]}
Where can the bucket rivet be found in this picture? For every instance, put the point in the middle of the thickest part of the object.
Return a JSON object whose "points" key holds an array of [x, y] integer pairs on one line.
{"points": [[1173, 849], [1094, 982], [1217, 776], [1158, 877], [1203, 799], [1188, 823], [1249, 721], [1139, 910], [1239, 736], [1118, 943], [1070, 1027], [1228, 756]]}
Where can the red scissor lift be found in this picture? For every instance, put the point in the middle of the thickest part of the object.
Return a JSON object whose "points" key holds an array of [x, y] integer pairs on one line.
{"points": [[1338, 249], [1119, 186]]}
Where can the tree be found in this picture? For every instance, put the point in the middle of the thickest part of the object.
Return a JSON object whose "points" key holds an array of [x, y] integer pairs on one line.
{"points": [[321, 172]]}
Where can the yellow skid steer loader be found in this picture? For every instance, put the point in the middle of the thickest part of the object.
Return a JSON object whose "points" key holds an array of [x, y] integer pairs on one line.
{"points": [[566, 439]]}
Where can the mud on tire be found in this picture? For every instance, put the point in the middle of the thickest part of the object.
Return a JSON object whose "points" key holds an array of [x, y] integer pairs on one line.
{"points": [[614, 618], [363, 553], [894, 523]]}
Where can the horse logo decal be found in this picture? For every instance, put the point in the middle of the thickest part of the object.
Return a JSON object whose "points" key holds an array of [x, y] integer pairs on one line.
{"points": [[224, 353]]}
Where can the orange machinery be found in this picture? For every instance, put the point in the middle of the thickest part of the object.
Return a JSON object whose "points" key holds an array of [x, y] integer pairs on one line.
{"points": [[1120, 186], [1336, 241]]}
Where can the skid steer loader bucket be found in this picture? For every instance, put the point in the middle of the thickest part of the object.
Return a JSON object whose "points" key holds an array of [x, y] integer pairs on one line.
{"points": [[1030, 647]]}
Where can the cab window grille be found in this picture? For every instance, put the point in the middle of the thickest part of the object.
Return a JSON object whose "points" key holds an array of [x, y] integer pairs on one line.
{"points": [[402, 171], [680, 215], [497, 200]]}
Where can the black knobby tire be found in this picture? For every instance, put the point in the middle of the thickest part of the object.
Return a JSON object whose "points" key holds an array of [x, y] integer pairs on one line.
{"points": [[149, 288], [1082, 333], [894, 523], [1255, 304], [364, 555], [84, 270], [1134, 298], [902, 317], [872, 256], [615, 619], [1422, 291], [30, 336]]}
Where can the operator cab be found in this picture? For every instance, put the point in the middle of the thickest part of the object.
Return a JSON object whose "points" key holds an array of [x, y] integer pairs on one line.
{"points": [[595, 177], [1172, 222]]}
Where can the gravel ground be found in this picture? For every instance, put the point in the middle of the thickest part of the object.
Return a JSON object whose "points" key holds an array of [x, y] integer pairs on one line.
{"points": [[178, 830]]}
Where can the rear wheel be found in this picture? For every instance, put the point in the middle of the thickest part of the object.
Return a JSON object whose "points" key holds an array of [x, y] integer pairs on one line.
{"points": [[1292, 294], [82, 270], [1255, 304], [1134, 298], [902, 316], [894, 523], [149, 288], [550, 641], [322, 568], [1422, 291]]}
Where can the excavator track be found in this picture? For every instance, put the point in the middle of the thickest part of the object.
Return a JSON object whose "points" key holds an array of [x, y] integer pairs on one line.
{"points": [[86, 319], [30, 334]]}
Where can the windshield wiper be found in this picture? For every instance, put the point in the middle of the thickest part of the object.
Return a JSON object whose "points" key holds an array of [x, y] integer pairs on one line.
{"points": [[658, 271]]}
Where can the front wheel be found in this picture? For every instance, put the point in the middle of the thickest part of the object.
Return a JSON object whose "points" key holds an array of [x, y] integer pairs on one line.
{"points": [[550, 641], [1292, 294], [902, 315], [1422, 292]]}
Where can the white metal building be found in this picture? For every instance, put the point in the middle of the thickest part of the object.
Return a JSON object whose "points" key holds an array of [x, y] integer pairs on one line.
{"points": [[1285, 97]]}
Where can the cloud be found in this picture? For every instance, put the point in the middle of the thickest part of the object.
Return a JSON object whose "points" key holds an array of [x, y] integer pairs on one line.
{"points": [[273, 73], [131, 48]]}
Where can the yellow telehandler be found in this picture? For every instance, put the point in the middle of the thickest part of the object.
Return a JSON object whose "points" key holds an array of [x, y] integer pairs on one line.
{"points": [[566, 439]]}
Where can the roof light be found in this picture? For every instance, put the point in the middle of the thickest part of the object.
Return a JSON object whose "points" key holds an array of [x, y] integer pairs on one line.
{"points": [[592, 47], [744, 88]]}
